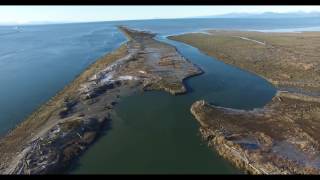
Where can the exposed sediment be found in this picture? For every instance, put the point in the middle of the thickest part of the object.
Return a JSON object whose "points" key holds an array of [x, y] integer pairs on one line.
{"points": [[281, 138], [63, 128]]}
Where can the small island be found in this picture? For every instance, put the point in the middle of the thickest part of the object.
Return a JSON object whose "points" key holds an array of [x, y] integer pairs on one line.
{"points": [[63, 128], [282, 137]]}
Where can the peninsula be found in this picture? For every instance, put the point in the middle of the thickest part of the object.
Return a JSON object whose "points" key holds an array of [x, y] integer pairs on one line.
{"points": [[63, 128]]}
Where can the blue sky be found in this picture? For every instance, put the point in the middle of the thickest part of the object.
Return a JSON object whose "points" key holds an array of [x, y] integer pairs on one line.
{"points": [[27, 14]]}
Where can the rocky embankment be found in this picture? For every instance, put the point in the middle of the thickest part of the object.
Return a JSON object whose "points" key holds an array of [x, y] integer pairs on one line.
{"points": [[63, 128]]}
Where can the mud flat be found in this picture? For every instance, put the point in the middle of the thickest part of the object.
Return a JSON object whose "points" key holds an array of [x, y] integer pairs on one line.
{"points": [[281, 137], [63, 128]]}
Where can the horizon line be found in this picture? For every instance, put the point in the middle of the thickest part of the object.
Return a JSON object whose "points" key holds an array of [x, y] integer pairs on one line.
{"points": [[34, 23]]}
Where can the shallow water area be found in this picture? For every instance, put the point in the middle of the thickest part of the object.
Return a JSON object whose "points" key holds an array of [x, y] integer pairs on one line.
{"points": [[154, 132]]}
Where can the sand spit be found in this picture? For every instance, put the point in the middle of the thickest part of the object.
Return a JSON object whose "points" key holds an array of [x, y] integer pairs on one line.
{"points": [[63, 128]]}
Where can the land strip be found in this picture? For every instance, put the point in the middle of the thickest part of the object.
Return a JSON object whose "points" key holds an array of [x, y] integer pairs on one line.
{"points": [[63, 128]]}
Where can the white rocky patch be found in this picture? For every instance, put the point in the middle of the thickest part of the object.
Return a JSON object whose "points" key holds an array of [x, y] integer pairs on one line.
{"points": [[107, 78], [126, 77]]}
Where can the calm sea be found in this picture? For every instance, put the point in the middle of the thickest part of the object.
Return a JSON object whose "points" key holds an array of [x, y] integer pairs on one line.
{"points": [[38, 61]]}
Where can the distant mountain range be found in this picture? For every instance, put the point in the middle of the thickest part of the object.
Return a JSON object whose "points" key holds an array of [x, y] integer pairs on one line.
{"points": [[265, 15]]}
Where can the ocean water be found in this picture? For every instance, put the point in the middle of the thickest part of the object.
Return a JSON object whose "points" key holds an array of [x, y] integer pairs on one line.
{"points": [[38, 61]]}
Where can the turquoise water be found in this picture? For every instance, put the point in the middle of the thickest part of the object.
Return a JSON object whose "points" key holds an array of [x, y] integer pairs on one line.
{"points": [[156, 133]]}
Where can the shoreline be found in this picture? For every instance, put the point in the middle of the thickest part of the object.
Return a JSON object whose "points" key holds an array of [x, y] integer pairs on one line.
{"points": [[279, 138], [268, 140], [55, 102], [64, 127], [286, 78]]}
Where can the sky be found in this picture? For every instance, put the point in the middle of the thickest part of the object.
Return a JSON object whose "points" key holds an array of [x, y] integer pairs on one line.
{"points": [[29, 14]]}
